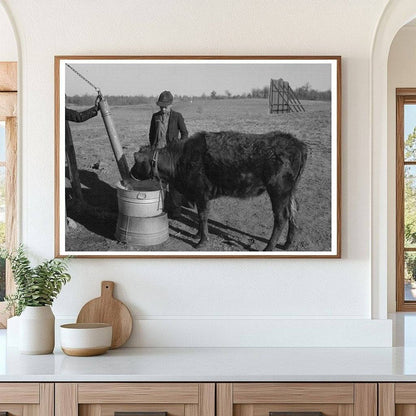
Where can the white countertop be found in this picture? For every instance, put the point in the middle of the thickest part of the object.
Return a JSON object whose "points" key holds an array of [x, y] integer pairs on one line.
{"points": [[213, 364]]}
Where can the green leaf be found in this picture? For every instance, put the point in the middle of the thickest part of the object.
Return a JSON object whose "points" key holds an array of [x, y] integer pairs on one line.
{"points": [[35, 286]]}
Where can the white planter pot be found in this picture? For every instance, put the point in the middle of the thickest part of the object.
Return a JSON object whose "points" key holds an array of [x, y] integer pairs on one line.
{"points": [[37, 330]]}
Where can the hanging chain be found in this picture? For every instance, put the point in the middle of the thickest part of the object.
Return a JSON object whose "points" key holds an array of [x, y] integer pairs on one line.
{"points": [[85, 79]]}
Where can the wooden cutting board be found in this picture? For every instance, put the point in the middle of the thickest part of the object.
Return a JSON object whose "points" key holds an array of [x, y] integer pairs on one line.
{"points": [[107, 309]]}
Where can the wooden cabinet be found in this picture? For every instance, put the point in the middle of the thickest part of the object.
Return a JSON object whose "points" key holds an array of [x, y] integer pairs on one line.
{"points": [[397, 399], [27, 399], [208, 399], [262, 399], [106, 399]]}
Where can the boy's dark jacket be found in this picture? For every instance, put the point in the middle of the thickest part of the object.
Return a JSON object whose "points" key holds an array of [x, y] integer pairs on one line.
{"points": [[176, 125]]}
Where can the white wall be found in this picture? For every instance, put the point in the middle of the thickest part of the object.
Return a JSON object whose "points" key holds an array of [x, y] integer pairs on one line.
{"points": [[8, 47], [176, 301], [401, 74]]}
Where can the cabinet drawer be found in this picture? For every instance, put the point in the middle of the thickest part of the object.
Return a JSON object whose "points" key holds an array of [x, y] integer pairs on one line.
{"points": [[397, 399], [21, 399], [107, 399], [143, 409], [296, 399], [138, 393], [19, 393]]}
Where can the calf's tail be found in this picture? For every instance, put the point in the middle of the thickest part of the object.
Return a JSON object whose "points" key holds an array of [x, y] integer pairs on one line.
{"points": [[292, 207], [291, 213], [302, 161]]}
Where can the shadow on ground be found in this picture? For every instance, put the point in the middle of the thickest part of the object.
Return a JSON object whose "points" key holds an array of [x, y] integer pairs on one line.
{"points": [[99, 210], [225, 232]]}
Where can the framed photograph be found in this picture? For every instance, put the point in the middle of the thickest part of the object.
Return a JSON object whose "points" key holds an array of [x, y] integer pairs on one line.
{"points": [[198, 156]]}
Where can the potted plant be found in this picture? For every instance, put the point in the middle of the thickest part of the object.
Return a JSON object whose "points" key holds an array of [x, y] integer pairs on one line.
{"points": [[36, 289]]}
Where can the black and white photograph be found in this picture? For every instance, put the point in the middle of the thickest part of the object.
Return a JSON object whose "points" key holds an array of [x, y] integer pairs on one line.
{"points": [[198, 156]]}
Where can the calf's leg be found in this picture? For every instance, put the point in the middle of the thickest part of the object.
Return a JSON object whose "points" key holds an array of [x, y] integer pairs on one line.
{"points": [[279, 205], [203, 213]]}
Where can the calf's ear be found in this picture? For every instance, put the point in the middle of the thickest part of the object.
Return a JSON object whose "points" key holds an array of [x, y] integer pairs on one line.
{"points": [[140, 156], [133, 172]]}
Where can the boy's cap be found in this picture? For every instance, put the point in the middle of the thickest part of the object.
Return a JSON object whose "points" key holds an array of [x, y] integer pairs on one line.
{"points": [[165, 98]]}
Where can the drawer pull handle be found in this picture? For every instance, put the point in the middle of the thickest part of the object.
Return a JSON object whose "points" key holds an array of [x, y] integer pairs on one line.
{"points": [[139, 414], [296, 414]]}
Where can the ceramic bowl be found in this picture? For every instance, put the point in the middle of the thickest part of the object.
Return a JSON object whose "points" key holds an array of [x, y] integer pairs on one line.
{"points": [[83, 340]]}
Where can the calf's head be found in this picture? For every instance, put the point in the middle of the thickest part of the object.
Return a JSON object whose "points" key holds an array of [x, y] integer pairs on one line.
{"points": [[142, 168]]}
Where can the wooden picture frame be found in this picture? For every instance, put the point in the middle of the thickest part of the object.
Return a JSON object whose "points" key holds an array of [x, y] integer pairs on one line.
{"points": [[285, 109]]}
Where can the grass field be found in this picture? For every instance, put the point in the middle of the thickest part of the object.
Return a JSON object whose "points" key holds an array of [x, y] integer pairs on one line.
{"points": [[235, 225]]}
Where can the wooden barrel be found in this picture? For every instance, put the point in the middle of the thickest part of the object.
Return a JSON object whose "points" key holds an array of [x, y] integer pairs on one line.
{"points": [[145, 231], [145, 200]]}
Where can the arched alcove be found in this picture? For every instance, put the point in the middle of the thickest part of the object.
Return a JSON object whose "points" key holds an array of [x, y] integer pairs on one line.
{"points": [[401, 73], [396, 14]]}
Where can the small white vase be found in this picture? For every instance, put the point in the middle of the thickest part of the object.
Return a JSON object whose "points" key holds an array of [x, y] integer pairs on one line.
{"points": [[37, 330]]}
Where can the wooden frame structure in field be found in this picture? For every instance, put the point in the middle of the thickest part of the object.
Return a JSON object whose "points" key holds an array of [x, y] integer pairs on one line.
{"points": [[282, 99]]}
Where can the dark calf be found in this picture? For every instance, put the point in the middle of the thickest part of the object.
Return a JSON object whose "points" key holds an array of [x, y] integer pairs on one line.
{"points": [[210, 165]]}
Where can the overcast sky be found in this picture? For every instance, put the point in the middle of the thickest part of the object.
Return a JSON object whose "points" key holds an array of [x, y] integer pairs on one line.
{"points": [[126, 78]]}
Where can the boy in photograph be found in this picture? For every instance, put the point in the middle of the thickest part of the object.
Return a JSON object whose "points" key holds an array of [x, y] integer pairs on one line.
{"points": [[166, 124], [165, 127]]}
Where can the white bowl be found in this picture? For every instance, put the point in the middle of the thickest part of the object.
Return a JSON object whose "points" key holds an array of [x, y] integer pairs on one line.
{"points": [[83, 340]]}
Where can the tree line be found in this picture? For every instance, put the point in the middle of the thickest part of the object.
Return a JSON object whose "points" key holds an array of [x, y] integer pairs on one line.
{"points": [[304, 92], [89, 100]]}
